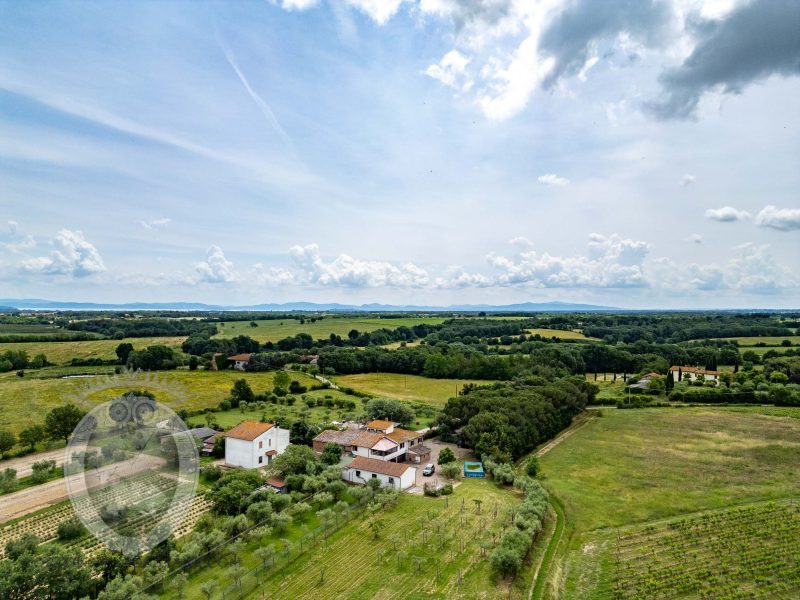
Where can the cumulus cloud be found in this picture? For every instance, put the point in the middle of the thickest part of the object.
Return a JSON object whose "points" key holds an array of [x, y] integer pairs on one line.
{"points": [[687, 180], [379, 11], [451, 71], [553, 179], [611, 262], [727, 214], [782, 219], [73, 256], [571, 36], [347, 271], [752, 42], [298, 4], [272, 276], [215, 268], [156, 223], [456, 277]]}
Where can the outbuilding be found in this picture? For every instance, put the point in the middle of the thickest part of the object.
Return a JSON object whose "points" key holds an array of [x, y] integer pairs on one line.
{"points": [[397, 475]]}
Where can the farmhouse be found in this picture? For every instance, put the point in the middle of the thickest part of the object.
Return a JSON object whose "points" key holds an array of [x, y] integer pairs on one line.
{"points": [[252, 445], [693, 373], [240, 361], [383, 440], [201, 434], [644, 382], [343, 438], [361, 470]]}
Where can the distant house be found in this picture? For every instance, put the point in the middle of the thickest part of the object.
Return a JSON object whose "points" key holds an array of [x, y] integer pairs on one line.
{"points": [[240, 361], [343, 438], [253, 445], [397, 475], [278, 484], [644, 382], [681, 373], [383, 440]]}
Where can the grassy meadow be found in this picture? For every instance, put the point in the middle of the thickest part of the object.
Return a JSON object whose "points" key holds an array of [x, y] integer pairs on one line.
{"points": [[60, 353], [630, 468], [274, 330], [25, 401], [559, 333], [411, 388]]}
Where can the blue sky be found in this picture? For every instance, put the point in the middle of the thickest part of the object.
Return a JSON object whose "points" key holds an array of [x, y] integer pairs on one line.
{"points": [[429, 151]]}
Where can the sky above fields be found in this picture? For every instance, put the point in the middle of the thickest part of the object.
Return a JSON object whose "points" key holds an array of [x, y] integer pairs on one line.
{"points": [[635, 153]]}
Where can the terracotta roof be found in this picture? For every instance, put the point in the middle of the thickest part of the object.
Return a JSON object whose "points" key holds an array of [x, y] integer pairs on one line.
{"points": [[276, 482], [372, 465], [380, 424], [367, 439], [403, 435], [697, 370], [241, 356], [248, 430], [343, 438], [420, 449]]}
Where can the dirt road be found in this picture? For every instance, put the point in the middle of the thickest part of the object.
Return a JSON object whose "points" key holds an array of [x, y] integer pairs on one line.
{"points": [[37, 497], [23, 464]]}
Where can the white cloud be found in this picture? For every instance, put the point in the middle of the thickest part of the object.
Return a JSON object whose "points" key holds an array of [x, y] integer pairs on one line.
{"points": [[687, 180], [73, 255], [215, 268], [156, 223], [379, 11], [347, 271], [727, 214], [456, 277], [782, 219], [452, 71], [553, 179], [298, 4], [521, 241], [272, 276], [612, 262]]}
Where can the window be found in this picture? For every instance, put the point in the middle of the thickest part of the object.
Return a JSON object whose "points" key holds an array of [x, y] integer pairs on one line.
{"points": [[270, 442], [260, 445], [391, 480], [358, 473], [260, 459], [374, 476]]}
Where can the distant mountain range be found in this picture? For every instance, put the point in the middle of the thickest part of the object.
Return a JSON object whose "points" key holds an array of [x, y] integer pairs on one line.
{"points": [[40, 304]]}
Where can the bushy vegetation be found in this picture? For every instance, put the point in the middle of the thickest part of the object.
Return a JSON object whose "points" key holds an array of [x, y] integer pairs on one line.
{"points": [[507, 558]]}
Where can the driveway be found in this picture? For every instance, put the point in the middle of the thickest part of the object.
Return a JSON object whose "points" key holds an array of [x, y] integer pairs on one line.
{"points": [[436, 447], [23, 464]]}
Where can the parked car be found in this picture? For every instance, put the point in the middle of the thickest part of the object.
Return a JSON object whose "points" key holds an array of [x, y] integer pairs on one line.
{"points": [[428, 470]]}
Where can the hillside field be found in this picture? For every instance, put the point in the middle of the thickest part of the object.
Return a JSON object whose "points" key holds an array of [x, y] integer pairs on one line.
{"points": [[560, 334], [274, 330], [624, 474], [411, 388]]}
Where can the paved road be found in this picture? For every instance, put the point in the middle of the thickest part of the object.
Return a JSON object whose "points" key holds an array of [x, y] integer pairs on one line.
{"points": [[23, 464], [41, 496]]}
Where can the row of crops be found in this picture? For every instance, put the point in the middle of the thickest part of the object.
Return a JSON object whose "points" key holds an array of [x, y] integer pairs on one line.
{"points": [[148, 488], [747, 552]]}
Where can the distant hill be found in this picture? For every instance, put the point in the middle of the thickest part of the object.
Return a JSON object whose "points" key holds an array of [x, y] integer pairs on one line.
{"points": [[41, 304]]}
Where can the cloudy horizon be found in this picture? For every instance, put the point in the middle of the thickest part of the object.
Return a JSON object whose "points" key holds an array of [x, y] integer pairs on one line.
{"points": [[426, 152]]}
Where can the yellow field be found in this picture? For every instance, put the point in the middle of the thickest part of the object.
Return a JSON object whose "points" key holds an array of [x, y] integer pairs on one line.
{"points": [[412, 388], [559, 333], [61, 353], [272, 331]]}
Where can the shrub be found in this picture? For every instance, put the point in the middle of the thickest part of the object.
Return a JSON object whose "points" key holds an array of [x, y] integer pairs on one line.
{"points": [[70, 530], [446, 456]]}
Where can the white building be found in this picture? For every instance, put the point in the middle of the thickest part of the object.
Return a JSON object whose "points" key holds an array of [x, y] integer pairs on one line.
{"points": [[253, 445], [693, 374], [397, 475], [383, 440], [240, 361]]}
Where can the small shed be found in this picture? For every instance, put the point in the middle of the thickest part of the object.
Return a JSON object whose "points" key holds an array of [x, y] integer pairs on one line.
{"points": [[278, 484], [419, 454], [473, 469]]}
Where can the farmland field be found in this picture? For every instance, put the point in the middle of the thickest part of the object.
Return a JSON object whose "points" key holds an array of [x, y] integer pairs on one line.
{"points": [[629, 470], [769, 341], [26, 400], [406, 387], [559, 333], [60, 353], [274, 330], [357, 566]]}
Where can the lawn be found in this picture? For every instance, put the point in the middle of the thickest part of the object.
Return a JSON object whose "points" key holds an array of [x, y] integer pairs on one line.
{"points": [[414, 388], [61, 353], [25, 401], [422, 548], [560, 334], [630, 468], [274, 330]]}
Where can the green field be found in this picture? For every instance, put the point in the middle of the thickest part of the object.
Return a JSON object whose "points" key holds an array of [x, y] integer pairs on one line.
{"points": [[405, 387], [444, 539], [274, 330], [28, 329], [630, 468], [769, 341], [559, 333], [61, 353], [27, 400]]}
